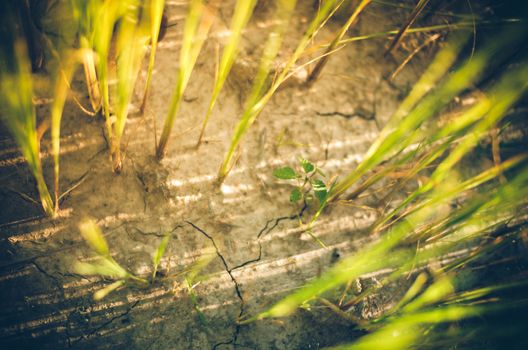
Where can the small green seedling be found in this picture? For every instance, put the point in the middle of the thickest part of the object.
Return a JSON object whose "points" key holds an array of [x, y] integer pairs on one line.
{"points": [[307, 186], [156, 259], [104, 265], [193, 278]]}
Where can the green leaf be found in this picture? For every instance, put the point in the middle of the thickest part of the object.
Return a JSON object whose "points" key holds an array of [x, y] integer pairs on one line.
{"points": [[93, 235], [295, 195], [285, 173], [159, 254], [102, 267], [261, 92], [243, 11], [307, 166], [101, 293], [16, 93], [320, 190], [195, 30]]}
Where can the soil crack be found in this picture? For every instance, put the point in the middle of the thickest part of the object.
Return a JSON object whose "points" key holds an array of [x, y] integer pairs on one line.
{"points": [[47, 274], [237, 286], [60, 289], [268, 227], [124, 314], [107, 323], [359, 113]]}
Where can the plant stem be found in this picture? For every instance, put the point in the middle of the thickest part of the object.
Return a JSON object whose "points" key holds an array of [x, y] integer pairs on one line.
{"points": [[412, 18], [197, 24], [156, 15], [45, 197], [243, 11], [90, 75], [169, 122], [322, 62]]}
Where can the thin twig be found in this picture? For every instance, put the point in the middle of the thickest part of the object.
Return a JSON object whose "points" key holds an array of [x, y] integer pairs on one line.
{"points": [[410, 57], [412, 18]]}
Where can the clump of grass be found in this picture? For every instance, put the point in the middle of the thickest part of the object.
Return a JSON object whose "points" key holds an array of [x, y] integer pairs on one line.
{"points": [[448, 212], [404, 126], [104, 264], [112, 29], [102, 16], [243, 11], [390, 141], [132, 37], [441, 233], [120, 31], [197, 25]]}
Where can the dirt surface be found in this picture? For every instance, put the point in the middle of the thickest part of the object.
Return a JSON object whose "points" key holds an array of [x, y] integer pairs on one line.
{"points": [[247, 224]]}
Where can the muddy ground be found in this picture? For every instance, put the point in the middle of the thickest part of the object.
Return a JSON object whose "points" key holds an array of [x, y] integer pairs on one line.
{"points": [[259, 252]]}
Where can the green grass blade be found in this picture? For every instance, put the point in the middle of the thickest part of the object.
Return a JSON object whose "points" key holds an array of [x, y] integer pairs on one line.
{"points": [[63, 76], [489, 111], [85, 14], [131, 41], [333, 45], [155, 10], [400, 132], [284, 12], [101, 293], [156, 259], [197, 25], [439, 290], [93, 235], [104, 18], [104, 264], [16, 94], [406, 332], [241, 16], [105, 267], [440, 65]]}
